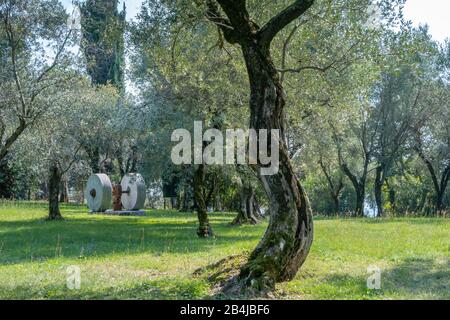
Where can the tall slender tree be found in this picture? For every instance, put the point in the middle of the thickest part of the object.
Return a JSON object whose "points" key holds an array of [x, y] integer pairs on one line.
{"points": [[103, 28]]}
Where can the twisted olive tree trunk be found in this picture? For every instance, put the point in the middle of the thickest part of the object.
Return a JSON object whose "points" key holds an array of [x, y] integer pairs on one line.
{"points": [[288, 238]]}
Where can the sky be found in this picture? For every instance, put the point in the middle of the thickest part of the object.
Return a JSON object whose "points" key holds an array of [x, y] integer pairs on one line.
{"points": [[434, 13]]}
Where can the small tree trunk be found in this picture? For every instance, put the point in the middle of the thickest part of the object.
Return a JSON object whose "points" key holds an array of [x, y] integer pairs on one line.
{"points": [[378, 190], [423, 199], [134, 159], [186, 200], [61, 192], [258, 212], [246, 208], [82, 193], [336, 204], [392, 197], [64, 197], [54, 184], [183, 201], [93, 153], [217, 203], [359, 185], [204, 228], [360, 197], [120, 164], [439, 202], [175, 203]]}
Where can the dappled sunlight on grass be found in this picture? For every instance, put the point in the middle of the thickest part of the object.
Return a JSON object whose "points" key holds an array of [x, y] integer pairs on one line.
{"points": [[153, 257]]}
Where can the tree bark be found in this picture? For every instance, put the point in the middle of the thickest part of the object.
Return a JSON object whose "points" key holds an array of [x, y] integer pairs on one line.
{"points": [[289, 235], [82, 193], [336, 204], [204, 228], [64, 195], [4, 148], [288, 238], [439, 202], [439, 186], [378, 186], [360, 189], [54, 183], [246, 212], [360, 197], [258, 212], [174, 203], [186, 199]]}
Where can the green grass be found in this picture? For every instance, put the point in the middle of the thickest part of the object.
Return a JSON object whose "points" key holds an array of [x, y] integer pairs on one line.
{"points": [[154, 257]]}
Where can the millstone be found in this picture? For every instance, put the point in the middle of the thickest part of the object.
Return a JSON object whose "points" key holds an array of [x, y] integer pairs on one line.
{"points": [[99, 192], [133, 191]]}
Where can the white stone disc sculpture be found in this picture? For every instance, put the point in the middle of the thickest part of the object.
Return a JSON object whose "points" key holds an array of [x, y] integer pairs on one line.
{"points": [[133, 191], [99, 192]]}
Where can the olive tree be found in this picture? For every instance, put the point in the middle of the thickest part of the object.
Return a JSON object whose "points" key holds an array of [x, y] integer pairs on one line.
{"points": [[30, 31]]}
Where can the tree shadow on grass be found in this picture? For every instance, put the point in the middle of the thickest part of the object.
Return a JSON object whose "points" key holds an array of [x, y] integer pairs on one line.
{"points": [[413, 278], [36, 239], [421, 277], [157, 289]]}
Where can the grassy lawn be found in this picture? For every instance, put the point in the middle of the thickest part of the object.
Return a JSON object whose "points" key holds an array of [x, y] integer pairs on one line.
{"points": [[154, 257]]}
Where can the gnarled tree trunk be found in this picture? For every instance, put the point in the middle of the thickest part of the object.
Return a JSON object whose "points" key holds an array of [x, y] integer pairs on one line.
{"points": [[289, 235], [288, 238]]}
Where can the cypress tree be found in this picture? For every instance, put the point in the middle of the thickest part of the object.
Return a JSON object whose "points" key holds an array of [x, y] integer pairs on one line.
{"points": [[103, 28]]}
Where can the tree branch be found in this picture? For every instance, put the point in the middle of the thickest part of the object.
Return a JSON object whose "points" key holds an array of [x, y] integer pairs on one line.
{"points": [[63, 171], [277, 23], [55, 61], [427, 162], [285, 48], [10, 35], [213, 15]]}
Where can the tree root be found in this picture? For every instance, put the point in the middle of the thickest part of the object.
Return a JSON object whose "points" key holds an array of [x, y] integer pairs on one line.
{"points": [[239, 221], [227, 281], [205, 232]]}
